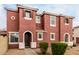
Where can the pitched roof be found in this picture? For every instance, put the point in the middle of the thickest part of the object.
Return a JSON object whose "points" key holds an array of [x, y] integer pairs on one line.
{"points": [[26, 7], [50, 13]]}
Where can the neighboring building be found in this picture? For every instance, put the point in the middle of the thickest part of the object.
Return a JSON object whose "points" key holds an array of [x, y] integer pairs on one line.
{"points": [[26, 28], [76, 35]]}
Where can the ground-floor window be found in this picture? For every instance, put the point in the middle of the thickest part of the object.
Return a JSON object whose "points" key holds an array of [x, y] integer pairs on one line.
{"points": [[52, 36], [66, 37], [40, 35], [13, 37]]}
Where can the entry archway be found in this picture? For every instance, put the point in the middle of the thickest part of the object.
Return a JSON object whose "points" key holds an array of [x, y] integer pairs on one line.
{"points": [[27, 38]]}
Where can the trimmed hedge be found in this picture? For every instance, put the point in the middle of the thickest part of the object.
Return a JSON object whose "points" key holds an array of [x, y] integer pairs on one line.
{"points": [[58, 48], [43, 47]]}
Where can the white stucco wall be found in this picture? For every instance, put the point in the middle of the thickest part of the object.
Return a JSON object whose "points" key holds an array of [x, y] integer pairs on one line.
{"points": [[3, 45], [76, 32]]}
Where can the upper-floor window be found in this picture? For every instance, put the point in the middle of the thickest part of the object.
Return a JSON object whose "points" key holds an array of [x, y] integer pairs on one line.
{"points": [[52, 20], [66, 21], [38, 19], [28, 14]]}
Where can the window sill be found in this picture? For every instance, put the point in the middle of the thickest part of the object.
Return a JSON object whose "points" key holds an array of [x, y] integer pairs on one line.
{"points": [[26, 18], [13, 43], [38, 22], [53, 25], [52, 39], [66, 24], [40, 39]]}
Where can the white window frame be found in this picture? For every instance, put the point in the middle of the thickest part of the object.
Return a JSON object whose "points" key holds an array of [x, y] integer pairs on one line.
{"points": [[50, 36], [54, 25], [68, 37], [39, 20], [27, 18], [10, 39], [38, 36]]}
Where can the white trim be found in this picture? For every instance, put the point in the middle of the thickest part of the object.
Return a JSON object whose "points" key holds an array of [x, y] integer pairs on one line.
{"points": [[53, 25], [38, 36], [26, 18], [10, 37], [50, 36], [12, 17], [13, 42], [66, 23], [68, 37], [24, 37]]}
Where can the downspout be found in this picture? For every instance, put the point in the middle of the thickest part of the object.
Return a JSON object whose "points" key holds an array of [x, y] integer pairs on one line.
{"points": [[59, 29]]}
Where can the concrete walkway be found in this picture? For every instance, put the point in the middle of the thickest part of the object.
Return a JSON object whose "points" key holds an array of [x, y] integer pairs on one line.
{"points": [[27, 51], [72, 51]]}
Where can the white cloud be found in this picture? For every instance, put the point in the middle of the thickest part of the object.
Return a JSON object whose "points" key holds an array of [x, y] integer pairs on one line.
{"points": [[60, 9], [2, 17]]}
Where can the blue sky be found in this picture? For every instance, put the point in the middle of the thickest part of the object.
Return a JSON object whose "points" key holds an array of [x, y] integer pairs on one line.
{"points": [[66, 9]]}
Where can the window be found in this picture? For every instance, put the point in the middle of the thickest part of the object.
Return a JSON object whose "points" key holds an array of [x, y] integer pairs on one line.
{"points": [[40, 36], [12, 17], [38, 18], [66, 37], [52, 20], [28, 14], [66, 21], [52, 36], [13, 37]]}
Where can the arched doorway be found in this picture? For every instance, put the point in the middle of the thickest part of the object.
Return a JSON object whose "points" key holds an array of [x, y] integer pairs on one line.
{"points": [[28, 38]]}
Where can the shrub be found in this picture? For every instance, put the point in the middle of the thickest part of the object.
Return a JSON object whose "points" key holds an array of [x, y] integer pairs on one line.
{"points": [[58, 48], [43, 47]]}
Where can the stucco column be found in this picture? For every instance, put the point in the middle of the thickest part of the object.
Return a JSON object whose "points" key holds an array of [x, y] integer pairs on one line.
{"points": [[21, 45], [33, 44]]}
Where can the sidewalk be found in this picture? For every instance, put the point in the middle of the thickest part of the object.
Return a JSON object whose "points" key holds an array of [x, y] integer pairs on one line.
{"points": [[27, 51]]}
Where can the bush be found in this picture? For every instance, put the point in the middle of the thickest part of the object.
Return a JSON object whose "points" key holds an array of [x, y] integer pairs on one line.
{"points": [[58, 48], [43, 47]]}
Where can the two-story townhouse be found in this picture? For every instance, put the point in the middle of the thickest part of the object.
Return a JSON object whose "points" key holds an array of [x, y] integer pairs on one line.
{"points": [[26, 28]]}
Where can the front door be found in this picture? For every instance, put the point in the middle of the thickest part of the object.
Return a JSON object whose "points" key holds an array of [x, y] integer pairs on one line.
{"points": [[27, 39]]}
